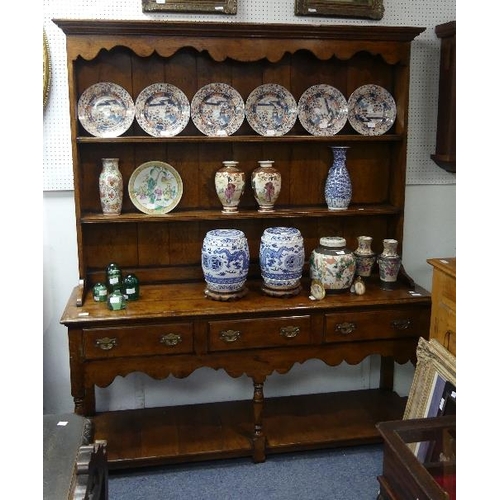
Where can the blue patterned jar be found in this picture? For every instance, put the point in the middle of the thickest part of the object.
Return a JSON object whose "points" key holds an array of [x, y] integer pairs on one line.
{"points": [[225, 259], [338, 187], [281, 257]]}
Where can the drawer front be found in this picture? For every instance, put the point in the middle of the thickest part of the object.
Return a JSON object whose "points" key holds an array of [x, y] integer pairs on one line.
{"points": [[174, 338], [443, 327], [259, 332], [374, 325]]}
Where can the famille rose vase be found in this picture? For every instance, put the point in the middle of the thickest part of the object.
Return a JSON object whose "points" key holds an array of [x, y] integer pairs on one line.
{"points": [[332, 264], [266, 185], [281, 257], [229, 185], [389, 263], [225, 259], [338, 188], [111, 187], [365, 256]]}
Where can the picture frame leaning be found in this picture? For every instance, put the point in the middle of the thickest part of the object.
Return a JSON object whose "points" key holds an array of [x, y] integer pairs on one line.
{"points": [[200, 6], [434, 372]]}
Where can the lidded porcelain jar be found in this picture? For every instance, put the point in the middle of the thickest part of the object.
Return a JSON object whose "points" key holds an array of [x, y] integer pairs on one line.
{"points": [[229, 185], [389, 263], [225, 260], [281, 257], [266, 185], [365, 256], [333, 264]]}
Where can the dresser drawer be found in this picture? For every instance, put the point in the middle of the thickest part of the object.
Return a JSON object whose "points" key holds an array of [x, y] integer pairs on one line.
{"points": [[173, 338], [444, 326], [259, 332], [371, 325]]}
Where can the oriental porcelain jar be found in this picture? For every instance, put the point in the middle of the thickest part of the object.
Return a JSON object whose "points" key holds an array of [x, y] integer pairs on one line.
{"points": [[338, 188], [229, 185], [389, 263], [365, 256], [281, 257], [332, 264], [225, 260], [266, 185], [111, 187]]}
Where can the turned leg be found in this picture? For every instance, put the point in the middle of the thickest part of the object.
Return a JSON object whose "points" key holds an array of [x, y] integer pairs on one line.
{"points": [[387, 373], [258, 438]]}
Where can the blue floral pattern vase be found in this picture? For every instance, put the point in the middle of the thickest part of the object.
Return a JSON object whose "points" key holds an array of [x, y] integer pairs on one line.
{"points": [[281, 257], [225, 259], [338, 187]]}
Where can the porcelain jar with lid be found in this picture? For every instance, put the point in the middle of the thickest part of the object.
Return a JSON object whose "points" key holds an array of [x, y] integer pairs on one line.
{"points": [[332, 264]]}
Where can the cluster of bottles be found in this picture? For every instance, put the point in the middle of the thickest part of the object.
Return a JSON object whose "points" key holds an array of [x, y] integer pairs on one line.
{"points": [[118, 289]]}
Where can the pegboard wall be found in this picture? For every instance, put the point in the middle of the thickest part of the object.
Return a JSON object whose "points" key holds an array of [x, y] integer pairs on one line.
{"points": [[57, 160]]}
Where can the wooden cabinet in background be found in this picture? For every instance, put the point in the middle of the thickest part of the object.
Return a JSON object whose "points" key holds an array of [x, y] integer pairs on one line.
{"points": [[173, 329], [445, 155], [443, 316]]}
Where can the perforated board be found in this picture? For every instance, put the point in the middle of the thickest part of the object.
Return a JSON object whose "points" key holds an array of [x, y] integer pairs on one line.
{"points": [[424, 85]]}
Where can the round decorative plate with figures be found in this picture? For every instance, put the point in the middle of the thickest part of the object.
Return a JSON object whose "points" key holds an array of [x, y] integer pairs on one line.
{"points": [[106, 110], [162, 110], [271, 110]]}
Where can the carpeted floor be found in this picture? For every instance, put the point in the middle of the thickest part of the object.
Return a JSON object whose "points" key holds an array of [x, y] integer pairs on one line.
{"points": [[337, 474]]}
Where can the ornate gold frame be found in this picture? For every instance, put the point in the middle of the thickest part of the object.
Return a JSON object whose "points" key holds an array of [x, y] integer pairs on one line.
{"points": [[432, 360], [46, 69], [204, 6], [370, 9]]}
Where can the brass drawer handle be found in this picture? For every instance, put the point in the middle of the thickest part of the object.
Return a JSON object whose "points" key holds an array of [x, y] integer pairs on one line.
{"points": [[229, 335], [289, 332], [171, 339], [345, 328], [401, 324], [106, 344]]}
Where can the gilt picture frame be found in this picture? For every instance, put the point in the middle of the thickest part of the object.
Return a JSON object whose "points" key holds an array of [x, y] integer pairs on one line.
{"points": [[361, 9], [435, 367], [200, 6]]}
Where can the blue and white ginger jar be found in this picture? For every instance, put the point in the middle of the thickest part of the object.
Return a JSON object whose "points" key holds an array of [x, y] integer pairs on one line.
{"points": [[338, 187], [224, 260], [281, 257]]}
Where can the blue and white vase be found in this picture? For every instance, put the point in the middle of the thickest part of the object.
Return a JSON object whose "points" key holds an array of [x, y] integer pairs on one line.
{"points": [[225, 258], [338, 187], [281, 257]]}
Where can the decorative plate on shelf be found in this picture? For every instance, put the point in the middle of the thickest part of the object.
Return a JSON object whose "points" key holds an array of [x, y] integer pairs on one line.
{"points": [[323, 110], [155, 187], [271, 110], [162, 110], [106, 110], [372, 110], [217, 109]]}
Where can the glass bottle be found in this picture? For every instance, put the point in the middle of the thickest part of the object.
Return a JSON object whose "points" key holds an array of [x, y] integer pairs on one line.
{"points": [[131, 287], [113, 277]]}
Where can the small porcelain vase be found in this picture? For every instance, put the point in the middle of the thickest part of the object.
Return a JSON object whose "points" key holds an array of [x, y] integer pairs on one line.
{"points": [[365, 256], [281, 257], [111, 187], [338, 188], [225, 260], [266, 185], [230, 185], [332, 264], [389, 263]]}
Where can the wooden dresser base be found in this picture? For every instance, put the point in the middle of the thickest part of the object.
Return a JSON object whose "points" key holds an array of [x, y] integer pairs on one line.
{"points": [[155, 436]]}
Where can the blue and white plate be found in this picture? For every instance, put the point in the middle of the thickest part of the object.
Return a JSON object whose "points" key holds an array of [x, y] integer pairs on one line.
{"points": [[271, 110], [372, 110], [162, 110]]}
